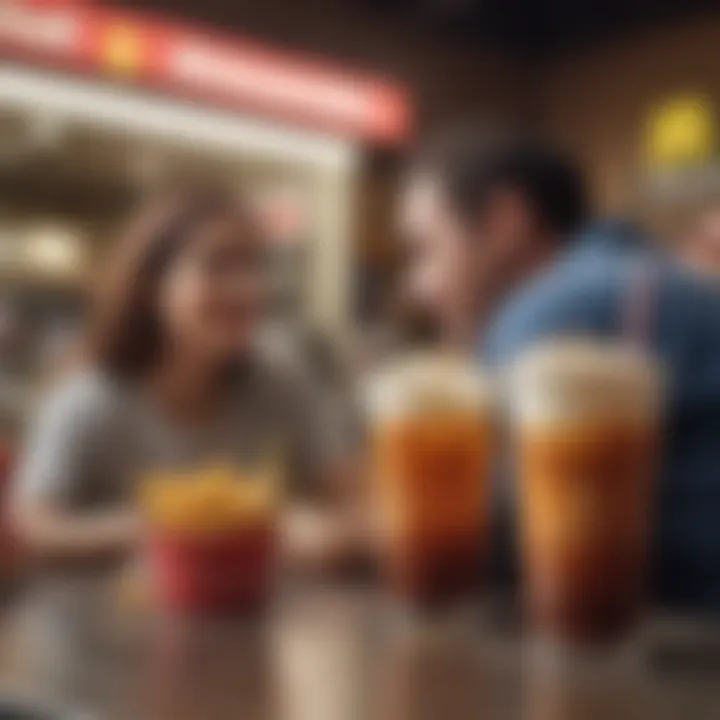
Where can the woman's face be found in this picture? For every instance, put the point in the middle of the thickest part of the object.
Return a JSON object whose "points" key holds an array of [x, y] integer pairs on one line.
{"points": [[212, 295]]}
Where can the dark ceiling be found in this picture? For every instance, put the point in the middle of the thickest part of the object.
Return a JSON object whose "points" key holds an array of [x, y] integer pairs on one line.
{"points": [[527, 27], [541, 26]]}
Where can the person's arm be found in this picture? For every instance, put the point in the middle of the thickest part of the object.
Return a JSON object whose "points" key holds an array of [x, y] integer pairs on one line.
{"points": [[52, 534], [326, 529], [52, 508], [324, 538], [325, 524]]}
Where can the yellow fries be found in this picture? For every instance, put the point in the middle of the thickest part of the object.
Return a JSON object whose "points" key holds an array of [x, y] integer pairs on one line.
{"points": [[213, 499]]}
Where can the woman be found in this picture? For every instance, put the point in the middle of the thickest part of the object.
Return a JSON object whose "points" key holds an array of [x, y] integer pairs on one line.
{"points": [[174, 379]]}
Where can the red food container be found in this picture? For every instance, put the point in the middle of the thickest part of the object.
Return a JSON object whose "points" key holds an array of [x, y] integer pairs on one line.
{"points": [[10, 555], [224, 572], [6, 466]]}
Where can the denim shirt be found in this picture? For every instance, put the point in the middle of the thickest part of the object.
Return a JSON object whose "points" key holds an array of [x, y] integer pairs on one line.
{"points": [[588, 290]]}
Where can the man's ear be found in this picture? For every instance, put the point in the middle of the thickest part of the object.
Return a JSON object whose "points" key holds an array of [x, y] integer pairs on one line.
{"points": [[506, 217]]}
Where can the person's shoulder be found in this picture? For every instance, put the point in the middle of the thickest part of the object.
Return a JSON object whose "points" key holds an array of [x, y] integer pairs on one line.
{"points": [[87, 396], [576, 277], [577, 295]]}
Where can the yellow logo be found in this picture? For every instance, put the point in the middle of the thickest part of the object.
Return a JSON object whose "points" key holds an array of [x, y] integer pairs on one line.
{"points": [[681, 133], [122, 50]]}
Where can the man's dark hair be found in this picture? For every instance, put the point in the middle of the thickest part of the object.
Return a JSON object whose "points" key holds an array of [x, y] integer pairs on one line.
{"points": [[473, 163]]}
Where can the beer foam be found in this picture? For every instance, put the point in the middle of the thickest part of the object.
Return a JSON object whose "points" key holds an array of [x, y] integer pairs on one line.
{"points": [[577, 379], [425, 383]]}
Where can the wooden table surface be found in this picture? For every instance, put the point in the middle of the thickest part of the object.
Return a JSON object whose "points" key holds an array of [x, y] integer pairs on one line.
{"points": [[330, 653]]}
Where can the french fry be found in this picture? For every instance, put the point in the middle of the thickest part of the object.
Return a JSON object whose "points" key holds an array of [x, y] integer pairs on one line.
{"points": [[215, 498]]}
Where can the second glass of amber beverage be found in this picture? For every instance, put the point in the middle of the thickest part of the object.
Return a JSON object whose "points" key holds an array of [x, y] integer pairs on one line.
{"points": [[431, 420], [587, 418]]}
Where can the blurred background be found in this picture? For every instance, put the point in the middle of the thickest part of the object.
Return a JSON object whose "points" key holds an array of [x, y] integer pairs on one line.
{"points": [[312, 106], [312, 109]]}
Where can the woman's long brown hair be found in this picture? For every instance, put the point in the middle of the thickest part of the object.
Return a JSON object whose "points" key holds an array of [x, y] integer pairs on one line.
{"points": [[125, 336]]}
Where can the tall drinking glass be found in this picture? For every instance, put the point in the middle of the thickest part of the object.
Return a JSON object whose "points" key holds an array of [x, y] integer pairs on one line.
{"points": [[587, 418], [430, 419]]}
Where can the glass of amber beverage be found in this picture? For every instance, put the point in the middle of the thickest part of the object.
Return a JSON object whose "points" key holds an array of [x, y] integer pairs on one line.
{"points": [[430, 449], [587, 418]]}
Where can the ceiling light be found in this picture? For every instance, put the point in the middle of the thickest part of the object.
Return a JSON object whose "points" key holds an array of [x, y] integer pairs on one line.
{"points": [[53, 250]]}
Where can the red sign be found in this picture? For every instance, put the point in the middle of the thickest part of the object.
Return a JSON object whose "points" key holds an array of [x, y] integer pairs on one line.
{"points": [[236, 73]]}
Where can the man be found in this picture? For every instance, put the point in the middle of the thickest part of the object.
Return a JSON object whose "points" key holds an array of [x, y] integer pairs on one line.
{"points": [[698, 246], [498, 252]]}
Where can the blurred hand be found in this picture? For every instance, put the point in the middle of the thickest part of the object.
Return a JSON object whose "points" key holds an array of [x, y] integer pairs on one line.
{"points": [[325, 540]]}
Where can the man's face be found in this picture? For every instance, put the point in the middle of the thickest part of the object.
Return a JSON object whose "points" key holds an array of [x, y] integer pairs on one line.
{"points": [[700, 248], [440, 256], [457, 269]]}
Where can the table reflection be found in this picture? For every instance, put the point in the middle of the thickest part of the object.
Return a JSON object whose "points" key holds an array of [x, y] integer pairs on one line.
{"points": [[319, 654]]}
